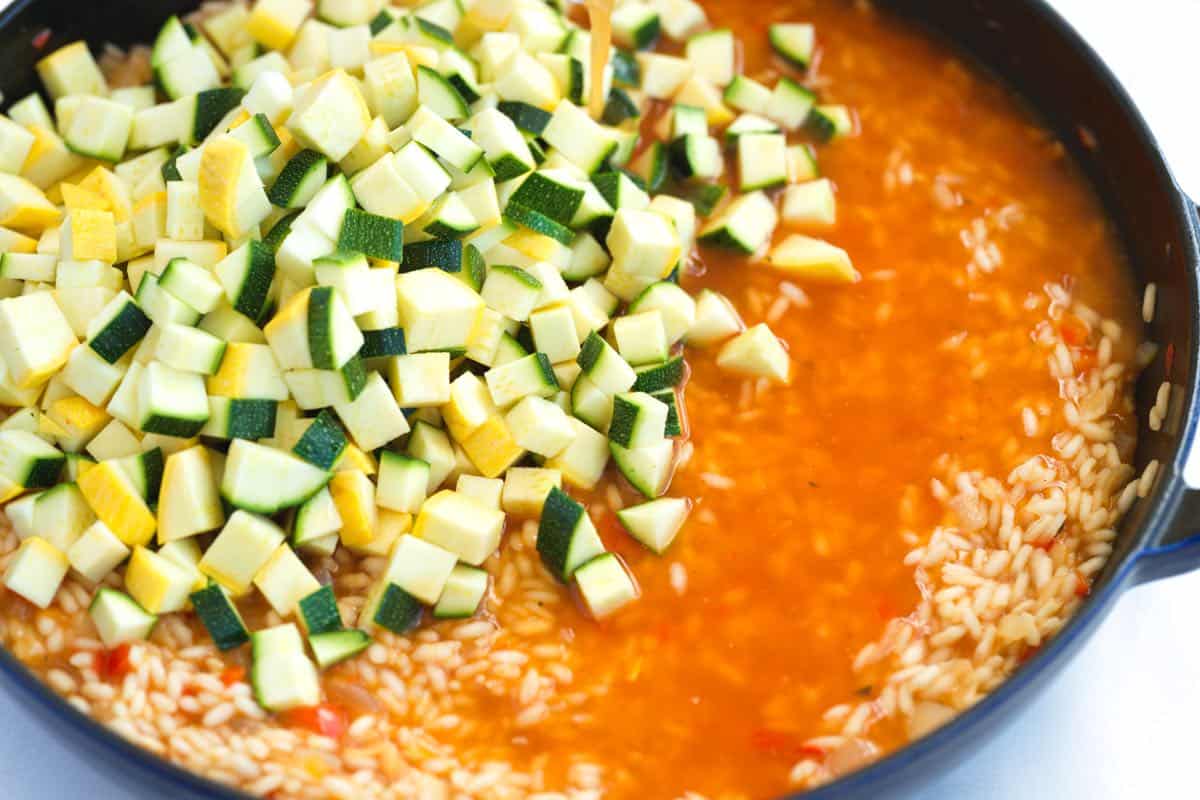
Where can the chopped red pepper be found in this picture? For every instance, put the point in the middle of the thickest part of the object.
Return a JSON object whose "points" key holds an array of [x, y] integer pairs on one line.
{"points": [[325, 719], [1084, 358], [1083, 587], [113, 665], [781, 744], [232, 675], [41, 38]]}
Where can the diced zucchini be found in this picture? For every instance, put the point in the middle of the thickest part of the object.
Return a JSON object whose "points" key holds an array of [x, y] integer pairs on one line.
{"points": [[664, 375], [641, 338], [810, 203], [265, 480], [758, 353], [605, 585], [582, 464], [762, 161], [463, 593], [716, 319], [530, 375], [638, 420], [171, 402], [302, 177], [282, 675], [244, 545], [246, 275], [188, 349], [334, 647], [604, 366], [240, 418], [374, 418], [188, 500], [316, 521], [790, 104], [318, 612], [566, 538], [526, 488], [119, 619], [656, 523], [96, 552], [583, 141], [372, 235], [28, 461], [635, 25], [390, 607], [794, 42], [220, 617], [284, 580], [745, 226], [437, 311], [647, 469], [323, 442]]}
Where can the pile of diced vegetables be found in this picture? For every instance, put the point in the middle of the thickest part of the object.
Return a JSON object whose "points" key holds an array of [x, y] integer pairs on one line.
{"points": [[373, 279]]}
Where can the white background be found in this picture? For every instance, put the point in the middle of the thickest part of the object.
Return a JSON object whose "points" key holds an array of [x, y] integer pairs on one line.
{"points": [[1121, 720]]}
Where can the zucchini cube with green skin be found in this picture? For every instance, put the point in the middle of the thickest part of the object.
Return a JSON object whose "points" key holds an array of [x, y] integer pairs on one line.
{"points": [[641, 338], [635, 25], [373, 418], [756, 352], [583, 461], [791, 104], [605, 585], [372, 235], [540, 426], [648, 469], [437, 311], [240, 418], [653, 378], [463, 593], [322, 443], [638, 420], [422, 172], [314, 330], [241, 549], [322, 388], [748, 95], [284, 581], [334, 647], [96, 552], [315, 520], [299, 181], [461, 525], [245, 275], [36, 571], [382, 190], [171, 402], [60, 515], [318, 611], [220, 617], [566, 538], [390, 607], [448, 142], [581, 140], [745, 226], [762, 161], [15, 143], [511, 291], [403, 483], [161, 306], [449, 218], [604, 366], [432, 445], [656, 523], [265, 480], [191, 283], [29, 267], [282, 676], [794, 42], [527, 80], [119, 619], [28, 461], [503, 145], [35, 338], [531, 375]]}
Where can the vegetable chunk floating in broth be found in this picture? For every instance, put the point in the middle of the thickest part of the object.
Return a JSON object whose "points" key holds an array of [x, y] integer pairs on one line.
{"points": [[494, 399]]}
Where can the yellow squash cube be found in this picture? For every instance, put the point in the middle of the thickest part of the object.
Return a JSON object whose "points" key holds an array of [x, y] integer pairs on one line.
{"points": [[158, 584], [117, 504]]}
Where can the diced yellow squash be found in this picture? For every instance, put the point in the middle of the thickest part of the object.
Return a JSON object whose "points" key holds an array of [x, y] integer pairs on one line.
{"points": [[74, 196], [354, 458], [492, 448], [274, 23], [79, 420], [354, 496], [247, 370], [231, 193], [89, 235], [537, 246], [13, 242], [813, 258], [24, 207], [389, 527], [49, 160], [117, 503], [31, 360], [149, 221], [104, 183], [158, 584]]}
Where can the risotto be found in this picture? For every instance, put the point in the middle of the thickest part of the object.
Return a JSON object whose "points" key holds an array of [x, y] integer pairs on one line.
{"points": [[710, 445]]}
